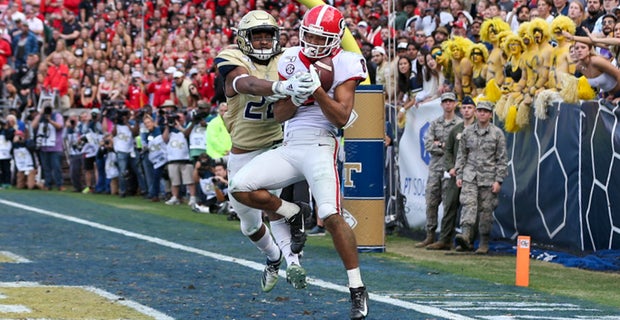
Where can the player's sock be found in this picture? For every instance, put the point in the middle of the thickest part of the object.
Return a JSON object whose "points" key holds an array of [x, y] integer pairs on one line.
{"points": [[282, 234], [287, 209], [267, 246], [355, 278]]}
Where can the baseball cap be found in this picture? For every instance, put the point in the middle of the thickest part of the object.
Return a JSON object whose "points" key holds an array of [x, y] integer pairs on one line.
{"points": [[362, 24], [136, 74], [379, 50], [402, 46], [459, 25], [178, 74], [448, 96], [610, 15], [193, 71], [485, 105], [203, 105], [374, 15], [468, 100], [168, 103], [171, 70], [441, 30]]}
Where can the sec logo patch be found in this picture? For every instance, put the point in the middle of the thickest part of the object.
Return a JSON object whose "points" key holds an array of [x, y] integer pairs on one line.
{"points": [[290, 68]]}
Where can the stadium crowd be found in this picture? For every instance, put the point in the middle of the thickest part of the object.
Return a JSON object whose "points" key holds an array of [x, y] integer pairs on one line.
{"points": [[93, 82]]}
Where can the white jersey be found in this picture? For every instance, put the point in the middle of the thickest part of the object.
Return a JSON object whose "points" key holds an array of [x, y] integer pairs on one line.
{"points": [[111, 169], [347, 66], [23, 159], [123, 140], [177, 147], [5, 148], [157, 151], [198, 138]]}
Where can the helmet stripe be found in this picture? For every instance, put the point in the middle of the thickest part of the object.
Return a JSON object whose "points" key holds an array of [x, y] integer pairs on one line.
{"points": [[319, 18]]}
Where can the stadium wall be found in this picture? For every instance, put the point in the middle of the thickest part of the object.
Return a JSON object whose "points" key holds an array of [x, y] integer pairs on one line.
{"points": [[563, 187]]}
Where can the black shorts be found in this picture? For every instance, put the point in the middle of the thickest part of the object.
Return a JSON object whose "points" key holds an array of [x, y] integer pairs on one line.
{"points": [[89, 163]]}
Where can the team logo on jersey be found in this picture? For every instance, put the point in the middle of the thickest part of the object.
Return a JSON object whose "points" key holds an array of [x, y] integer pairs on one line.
{"points": [[290, 68]]}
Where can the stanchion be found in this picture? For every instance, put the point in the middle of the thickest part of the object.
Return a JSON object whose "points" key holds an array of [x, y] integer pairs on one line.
{"points": [[523, 261], [363, 170]]}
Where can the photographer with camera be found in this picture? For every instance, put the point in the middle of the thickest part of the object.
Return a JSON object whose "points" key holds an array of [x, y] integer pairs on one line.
{"points": [[25, 163], [90, 131], [197, 130], [213, 182], [125, 129], [7, 131], [74, 142], [156, 156], [49, 126], [109, 179], [180, 167]]}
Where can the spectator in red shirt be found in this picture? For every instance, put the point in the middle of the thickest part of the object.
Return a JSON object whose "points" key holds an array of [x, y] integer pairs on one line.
{"points": [[57, 80], [136, 94], [160, 88], [5, 50]]}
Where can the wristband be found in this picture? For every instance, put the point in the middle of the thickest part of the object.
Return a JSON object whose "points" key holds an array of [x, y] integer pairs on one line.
{"points": [[402, 109]]}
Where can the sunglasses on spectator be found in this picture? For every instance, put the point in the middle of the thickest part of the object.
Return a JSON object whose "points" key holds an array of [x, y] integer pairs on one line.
{"points": [[436, 54], [420, 35]]}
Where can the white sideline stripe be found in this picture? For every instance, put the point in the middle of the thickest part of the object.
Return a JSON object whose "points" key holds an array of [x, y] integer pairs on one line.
{"points": [[5, 308], [437, 312], [112, 297], [18, 259], [542, 317]]}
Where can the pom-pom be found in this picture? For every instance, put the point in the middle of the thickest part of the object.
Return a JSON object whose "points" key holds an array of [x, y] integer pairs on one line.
{"points": [[585, 91], [511, 120], [492, 91]]}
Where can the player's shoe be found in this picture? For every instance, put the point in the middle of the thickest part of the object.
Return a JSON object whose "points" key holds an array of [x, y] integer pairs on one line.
{"points": [[297, 225], [270, 274], [296, 275], [359, 303]]}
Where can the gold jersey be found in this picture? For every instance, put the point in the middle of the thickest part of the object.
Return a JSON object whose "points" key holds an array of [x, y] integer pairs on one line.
{"points": [[250, 118]]}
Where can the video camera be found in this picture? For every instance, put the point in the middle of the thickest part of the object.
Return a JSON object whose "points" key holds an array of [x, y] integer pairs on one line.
{"points": [[79, 144], [198, 116], [171, 119]]}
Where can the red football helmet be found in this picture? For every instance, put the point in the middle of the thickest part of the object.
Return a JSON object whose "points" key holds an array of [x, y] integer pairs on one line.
{"points": [[328, 24]]}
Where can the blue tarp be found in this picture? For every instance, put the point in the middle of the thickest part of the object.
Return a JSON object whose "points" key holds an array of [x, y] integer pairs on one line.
{"points": [[602, 260], [564, 180]]}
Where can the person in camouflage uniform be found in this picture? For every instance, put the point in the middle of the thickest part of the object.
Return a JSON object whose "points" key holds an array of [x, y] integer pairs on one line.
{"points": [[452, 192], [480, 170], [434, 143]]}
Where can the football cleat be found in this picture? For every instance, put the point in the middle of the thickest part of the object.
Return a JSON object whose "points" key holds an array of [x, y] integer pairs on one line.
{"points": [[296, 275], [359, 303], [297, 225], [270, 274]]}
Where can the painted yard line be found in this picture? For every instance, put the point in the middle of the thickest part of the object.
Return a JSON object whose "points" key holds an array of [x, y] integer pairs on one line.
{"points": [[541, 317], [16, 258], [437, 312], [502, 303], [112, 297], [5, 308]]}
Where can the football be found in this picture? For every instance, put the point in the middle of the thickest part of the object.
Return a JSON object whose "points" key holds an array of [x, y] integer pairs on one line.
{"points": [[325, 69]]}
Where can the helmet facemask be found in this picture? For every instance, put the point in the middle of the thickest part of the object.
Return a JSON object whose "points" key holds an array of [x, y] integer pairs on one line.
{"points": [[260, 54], [253, 23], [320, 50]]}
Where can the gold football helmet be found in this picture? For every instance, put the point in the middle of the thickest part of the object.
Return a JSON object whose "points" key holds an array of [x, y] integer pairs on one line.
{"points": [[255, 21]]}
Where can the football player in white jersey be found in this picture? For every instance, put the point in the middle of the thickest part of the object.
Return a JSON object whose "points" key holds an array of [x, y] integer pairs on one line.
{"points": [[252, 85], [310, 146]]}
